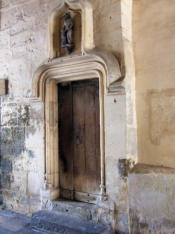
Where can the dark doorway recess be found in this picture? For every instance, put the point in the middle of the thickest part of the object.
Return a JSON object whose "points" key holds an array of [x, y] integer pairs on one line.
{"points": [[79, 140]]}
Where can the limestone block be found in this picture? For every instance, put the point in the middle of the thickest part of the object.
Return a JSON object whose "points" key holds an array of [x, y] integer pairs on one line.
{"points": [[115, 117], [34, 183]]}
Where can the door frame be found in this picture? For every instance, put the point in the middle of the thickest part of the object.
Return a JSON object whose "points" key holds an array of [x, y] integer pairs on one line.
{"points": [[73, 194], [71, 68], [52, 103]]}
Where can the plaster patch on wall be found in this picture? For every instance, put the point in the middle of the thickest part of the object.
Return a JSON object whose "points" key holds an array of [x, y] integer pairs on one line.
{"points": [[161, 114]]}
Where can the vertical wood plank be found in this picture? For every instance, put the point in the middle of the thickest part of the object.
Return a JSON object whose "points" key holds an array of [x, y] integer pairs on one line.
{"points": [[87, 159], [79, 124], [65, 136]]}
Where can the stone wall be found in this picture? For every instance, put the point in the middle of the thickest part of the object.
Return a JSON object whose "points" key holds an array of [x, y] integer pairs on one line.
{"points": [[151, 199], [21, 154], [151, 196], [140, 35], [24, 42], [154, 58]]}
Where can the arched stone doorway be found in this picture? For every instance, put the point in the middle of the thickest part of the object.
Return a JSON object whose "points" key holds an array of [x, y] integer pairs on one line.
{"points": [[85, 63], [68, 69]]}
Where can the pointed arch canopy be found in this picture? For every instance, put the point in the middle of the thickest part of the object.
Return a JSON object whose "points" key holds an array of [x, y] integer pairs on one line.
{"points": [[102, 64]]}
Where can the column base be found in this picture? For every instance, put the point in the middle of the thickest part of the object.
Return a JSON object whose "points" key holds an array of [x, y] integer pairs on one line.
{"points": [[49, 194]]}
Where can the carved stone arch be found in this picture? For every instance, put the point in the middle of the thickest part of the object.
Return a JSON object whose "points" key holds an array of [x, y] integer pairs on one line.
{"points": [[98, 64], [99, 61], [85, 9]]}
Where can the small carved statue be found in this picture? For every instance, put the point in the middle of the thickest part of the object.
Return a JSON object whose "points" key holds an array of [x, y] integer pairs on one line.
{"points": [[67, 34]]}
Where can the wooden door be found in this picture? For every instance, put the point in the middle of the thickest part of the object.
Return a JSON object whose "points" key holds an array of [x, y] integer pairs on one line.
{"points": [[79, 140]]}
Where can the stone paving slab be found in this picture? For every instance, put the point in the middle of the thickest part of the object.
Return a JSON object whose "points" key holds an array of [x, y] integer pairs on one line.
{"points": [[64, 223], [11, 222], [45, 222]]}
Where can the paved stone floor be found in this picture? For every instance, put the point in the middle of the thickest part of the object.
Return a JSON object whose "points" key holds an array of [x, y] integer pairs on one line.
{"points": [[46, 222], [11, 223]]}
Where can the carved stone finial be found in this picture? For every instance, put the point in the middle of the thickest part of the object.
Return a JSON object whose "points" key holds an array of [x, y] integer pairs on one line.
{"points": [[67, 34]]}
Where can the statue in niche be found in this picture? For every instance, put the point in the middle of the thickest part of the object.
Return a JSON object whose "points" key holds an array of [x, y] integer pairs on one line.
{"points": [[67, 34]]}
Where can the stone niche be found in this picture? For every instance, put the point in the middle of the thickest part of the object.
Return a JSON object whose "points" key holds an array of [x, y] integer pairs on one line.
{"points": [[57, 23]]}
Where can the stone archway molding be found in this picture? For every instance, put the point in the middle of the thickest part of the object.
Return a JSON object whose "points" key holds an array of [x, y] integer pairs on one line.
{"points": [[96, 64], [100, 62]]}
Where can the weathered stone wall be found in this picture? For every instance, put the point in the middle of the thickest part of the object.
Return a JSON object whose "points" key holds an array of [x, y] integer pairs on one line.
{"points": [[151, 196], [151, 199], [154, 59], [21, 154], [24, 42], [118, 25]]}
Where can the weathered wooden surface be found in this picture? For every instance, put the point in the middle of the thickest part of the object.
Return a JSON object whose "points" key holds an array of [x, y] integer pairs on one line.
{"points": [[79, 138]]}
